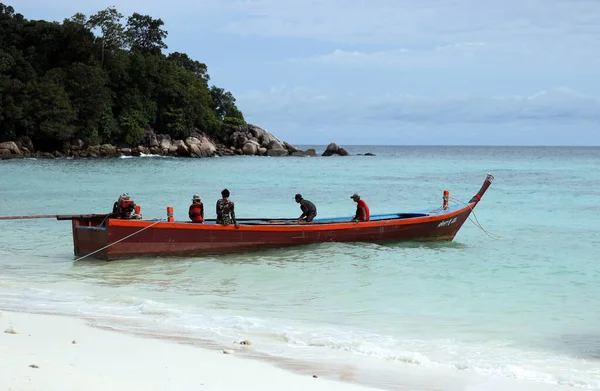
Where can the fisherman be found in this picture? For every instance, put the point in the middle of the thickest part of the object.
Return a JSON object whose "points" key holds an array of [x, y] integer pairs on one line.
{"points": [[196, 211], [362, 209], [124, 208], [309, 210], [225, 210]]}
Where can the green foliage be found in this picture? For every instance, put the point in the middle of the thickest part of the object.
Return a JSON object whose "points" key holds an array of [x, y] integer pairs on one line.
{"points": [[233, 121], [183, 61], [224, 103], [107, 126], [132, 123], [48, 114], [102, 78], [145, 33]]}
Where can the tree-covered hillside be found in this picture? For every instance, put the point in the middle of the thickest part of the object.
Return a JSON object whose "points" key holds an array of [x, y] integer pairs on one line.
{"points": [[102, 79]]}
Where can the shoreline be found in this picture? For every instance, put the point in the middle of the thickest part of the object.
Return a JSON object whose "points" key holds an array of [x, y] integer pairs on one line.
{"points": [[250, 140], [46, 341], [45, 348]]}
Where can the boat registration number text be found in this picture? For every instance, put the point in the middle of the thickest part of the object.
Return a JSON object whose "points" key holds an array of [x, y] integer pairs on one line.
{"points": [[446, 223]]}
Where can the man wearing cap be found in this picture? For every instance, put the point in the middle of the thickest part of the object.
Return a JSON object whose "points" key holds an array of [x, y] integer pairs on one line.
{"points": [[309, 210], [362, 209], [196, 211]]}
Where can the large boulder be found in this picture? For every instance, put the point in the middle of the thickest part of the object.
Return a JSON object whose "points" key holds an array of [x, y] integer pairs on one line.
{"points": [[77, 145], [201, 146], [264, 138], [150, 138], [207, 146], [238, 139], [250, 147], [275, 144], [178, 148], [183, 150], [107, 150], [192, 141], [334, 150], [223, 150], [156, 151], [277, 152], [11, 146], [308, 152], [141, 149], [194, 150], [24, 142], [290, 147], [164, 141]]}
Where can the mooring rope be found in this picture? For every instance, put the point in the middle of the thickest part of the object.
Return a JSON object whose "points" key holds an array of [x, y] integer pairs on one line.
{"points": [[477, 224], [120, 240]]}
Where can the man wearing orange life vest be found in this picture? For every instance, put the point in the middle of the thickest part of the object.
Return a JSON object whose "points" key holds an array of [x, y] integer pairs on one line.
{"points": [[362, 209], [124, 207], [196, 211]]}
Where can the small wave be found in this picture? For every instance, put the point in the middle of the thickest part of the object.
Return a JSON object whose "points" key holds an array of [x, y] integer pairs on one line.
{"points": [[282, 337], [498, 360], [142, 155]]}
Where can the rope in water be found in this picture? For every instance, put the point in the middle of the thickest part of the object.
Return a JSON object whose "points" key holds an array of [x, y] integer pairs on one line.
{"points": [[477, 224], [120, 240]]}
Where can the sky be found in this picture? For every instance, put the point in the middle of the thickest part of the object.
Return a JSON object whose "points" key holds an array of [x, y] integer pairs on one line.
{"points": [[390, 72]]}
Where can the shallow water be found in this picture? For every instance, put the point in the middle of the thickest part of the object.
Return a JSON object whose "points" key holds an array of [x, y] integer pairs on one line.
{"points": [[521, 307]]}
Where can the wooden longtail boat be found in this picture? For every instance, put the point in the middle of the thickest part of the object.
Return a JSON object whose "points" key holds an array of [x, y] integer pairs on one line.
{"points": [[110, 238]]}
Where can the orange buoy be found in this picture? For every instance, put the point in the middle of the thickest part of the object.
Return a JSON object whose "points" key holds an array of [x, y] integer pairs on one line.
{"points": [[446, 198], [170, 214], [138, 209]]}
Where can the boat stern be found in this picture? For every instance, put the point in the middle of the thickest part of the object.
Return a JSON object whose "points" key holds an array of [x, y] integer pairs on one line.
{"points": [[90, 235]]}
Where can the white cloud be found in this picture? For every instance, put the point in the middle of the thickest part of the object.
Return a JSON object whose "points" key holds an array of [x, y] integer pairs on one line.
{"points": [[402, 21], [306, 106], [433, 33], [457, 56], [552, 116]]}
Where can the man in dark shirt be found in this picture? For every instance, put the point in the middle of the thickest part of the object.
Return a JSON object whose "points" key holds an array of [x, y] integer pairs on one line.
{"points": [[309, 210], [225, 210]]}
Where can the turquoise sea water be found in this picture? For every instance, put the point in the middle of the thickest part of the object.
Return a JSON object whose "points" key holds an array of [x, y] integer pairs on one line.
{"points": [[524, 308]]}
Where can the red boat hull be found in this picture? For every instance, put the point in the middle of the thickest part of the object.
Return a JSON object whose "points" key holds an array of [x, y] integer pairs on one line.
{"points": [[116, 238]]}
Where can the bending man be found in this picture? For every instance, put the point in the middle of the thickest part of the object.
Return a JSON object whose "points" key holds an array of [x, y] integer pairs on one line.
{"points": [[309, 210]]}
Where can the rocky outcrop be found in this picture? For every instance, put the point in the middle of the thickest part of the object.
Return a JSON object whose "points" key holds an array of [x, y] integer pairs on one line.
{"points": [[334, 150], [11, 147], [253, 140], [107, 150], [308, 152], [249, 140]]}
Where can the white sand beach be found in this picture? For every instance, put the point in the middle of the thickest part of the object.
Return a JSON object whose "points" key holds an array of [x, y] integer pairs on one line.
{"points": [[60, 353], [50, 352]]}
